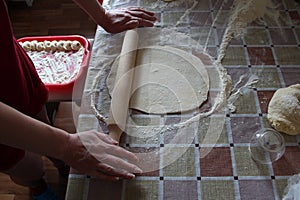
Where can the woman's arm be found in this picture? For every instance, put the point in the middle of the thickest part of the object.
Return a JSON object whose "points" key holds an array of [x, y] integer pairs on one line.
{"points": [[90, 152], [118, 20], [24, 132]]}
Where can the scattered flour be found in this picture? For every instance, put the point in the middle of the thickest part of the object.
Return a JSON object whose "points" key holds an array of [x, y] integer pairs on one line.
{"points": [[292, 191], [245, 12]]}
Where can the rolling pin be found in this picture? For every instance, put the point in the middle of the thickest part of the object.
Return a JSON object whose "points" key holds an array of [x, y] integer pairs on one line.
{"points": [[121, 93]]}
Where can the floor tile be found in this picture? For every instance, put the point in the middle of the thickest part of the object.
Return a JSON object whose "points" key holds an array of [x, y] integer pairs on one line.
{"points": [[234, 56], [290, 161], [256, 189], [217, 189], [178, 190], [257, 36], [291, 75], [223, 167], [141, 189], [282, 36], [184, 165], [268, 76], [243, 128], [264, 98], [287, 55], [260, 56]]}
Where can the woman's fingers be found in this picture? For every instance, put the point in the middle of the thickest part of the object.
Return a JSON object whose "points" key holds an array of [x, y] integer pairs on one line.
{"points": [[106, 138], [99, 155], [120, 152], [111, 171], [108, 153], [120, 164], [142, 14]]}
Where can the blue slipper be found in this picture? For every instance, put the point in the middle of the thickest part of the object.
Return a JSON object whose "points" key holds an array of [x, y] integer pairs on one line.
{"points": [[47, 195]]}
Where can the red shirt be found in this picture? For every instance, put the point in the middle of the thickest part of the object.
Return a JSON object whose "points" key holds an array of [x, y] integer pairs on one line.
{"points": [[20, 85]]}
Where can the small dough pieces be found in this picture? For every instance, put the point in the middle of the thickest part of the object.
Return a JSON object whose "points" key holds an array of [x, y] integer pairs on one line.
{"points": [[47, 45], [67, 45], [26, 45], [40, 46], [75, 45], [61, 45], [284, 110]]}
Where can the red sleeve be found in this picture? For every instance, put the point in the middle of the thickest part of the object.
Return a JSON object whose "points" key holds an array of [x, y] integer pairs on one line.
{"points": [[20, 85]]}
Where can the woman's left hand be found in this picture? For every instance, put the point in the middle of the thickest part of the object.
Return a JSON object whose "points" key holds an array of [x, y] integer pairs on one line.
{"points": [[122, 19]]}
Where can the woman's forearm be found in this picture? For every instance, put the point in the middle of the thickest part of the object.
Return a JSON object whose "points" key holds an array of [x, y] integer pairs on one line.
{"points": [[21, 131], [93, 8]]}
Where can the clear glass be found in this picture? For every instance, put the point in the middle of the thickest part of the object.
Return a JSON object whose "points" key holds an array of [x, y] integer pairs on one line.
{"points": [[266, 146]]}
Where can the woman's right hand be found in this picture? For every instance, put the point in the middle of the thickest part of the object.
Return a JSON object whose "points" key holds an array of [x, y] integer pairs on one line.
{"points": [[96, 154], [122, 19]]}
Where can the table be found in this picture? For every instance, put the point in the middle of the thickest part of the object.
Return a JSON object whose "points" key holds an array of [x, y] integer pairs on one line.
{"points": [[222, 167]]}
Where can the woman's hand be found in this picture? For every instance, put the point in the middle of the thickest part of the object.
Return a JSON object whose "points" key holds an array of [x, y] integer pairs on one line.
{"points": [[96, 154], [122, 19], [117, 20]]}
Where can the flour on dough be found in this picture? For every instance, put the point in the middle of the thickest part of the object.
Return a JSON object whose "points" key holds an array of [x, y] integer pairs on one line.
{"points": [[166, 80], [284, 110]]}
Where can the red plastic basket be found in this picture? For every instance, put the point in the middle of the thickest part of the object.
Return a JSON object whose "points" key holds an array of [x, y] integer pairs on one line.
{"points": [[64, 91]]}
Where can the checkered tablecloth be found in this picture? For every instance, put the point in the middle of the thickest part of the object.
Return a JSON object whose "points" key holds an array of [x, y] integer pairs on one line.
{"points": [[222, 169]]}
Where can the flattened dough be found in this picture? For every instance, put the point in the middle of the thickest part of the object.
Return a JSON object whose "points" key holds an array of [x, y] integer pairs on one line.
{"points": [[166, 80], [284, 110]]}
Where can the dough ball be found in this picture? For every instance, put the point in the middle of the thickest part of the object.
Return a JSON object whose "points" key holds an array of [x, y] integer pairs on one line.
{"points": [[33, 45], [40, 46], [53, 45], [75, 45], [60, 45], [26, 45], [47, 45], [67, 45], [284, 110]]}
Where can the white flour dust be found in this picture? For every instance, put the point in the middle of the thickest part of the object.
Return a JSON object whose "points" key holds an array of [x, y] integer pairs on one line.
{"points": [[243, 13]]}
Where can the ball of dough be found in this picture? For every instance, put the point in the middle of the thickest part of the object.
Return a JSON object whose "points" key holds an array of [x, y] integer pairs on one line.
{"points": [[67, 45], [60, 45], [53, 45], [47, 45], [26, 46], [33, 45], [75, 45], [40, 46], [284, 110]]}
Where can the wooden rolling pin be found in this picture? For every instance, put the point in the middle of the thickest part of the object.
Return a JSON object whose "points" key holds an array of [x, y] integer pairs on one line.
{"points": [[122, 88]]}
